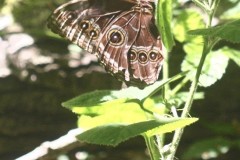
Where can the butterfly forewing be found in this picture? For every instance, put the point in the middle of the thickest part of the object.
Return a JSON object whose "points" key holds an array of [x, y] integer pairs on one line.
{"points": [[121, 33]]}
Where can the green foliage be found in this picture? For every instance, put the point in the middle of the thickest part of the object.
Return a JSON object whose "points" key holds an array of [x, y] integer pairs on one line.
{"points": [[1, 3], [217, 61], [113, 134], [110, 117], [164, 18], [232, 54], [186, 20], [214, 66], [104, 113], [132, 93], [228, 31], [232, 13]]}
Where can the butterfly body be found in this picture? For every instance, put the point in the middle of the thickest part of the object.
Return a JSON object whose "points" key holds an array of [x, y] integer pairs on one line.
{"points": [[121, 34]]}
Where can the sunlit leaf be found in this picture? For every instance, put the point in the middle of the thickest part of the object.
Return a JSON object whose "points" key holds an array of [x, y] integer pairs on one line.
{"points": [[113, 134], [155, 105], [187, 20], [232, 13], [232, 54], [101, 108], [117, 114], [214, 66], [169, 127]]}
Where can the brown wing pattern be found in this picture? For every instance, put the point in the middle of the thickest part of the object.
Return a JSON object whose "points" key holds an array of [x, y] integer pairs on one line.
{"points": [[121, 33], [146, 54], [116, 41]]}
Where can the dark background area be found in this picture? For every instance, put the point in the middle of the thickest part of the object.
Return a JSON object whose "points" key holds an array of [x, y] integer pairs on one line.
{"points": [[38, 72]]}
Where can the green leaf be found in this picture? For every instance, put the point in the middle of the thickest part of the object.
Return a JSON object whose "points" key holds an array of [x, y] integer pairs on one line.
{"points": [[214, 66], [114, 114], [232, 54], [89, 99], [111, 97], [232, 13], [229, 31], [207, 149], [88, 122], [149, 90], [169, 127], [164, 19], [187, 20], [113, 134], [100, 108]]}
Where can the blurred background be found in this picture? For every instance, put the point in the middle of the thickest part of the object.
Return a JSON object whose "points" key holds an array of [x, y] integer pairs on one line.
{"points": [[39, 71]]}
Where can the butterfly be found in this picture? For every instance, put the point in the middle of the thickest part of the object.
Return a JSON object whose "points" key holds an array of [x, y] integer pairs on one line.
{"points": [[121, 33]]}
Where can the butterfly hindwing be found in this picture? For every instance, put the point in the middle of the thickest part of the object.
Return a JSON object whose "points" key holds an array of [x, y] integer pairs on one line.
{"points": [[146, 54]]}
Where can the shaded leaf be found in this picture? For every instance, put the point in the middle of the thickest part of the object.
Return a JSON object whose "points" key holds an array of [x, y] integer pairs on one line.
{"points": [[164, 20], [113, 134], [89, 99], [229, 31]]}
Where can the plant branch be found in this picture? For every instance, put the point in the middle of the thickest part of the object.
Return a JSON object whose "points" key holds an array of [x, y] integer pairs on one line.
{"points": [[188, 104], [165, 77], [152, 148], [208, 44]]}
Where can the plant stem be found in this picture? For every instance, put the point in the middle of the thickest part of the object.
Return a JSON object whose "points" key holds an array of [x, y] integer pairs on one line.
{"points": [[152, 148], [165, 77], [178, 133], [208, 44], [166, 88]]}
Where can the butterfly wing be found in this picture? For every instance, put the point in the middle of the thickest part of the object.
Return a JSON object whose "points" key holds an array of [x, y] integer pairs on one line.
{"points": [[131, 49], [147, 52], [82, 21], [118, 32], [115, 43]]}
